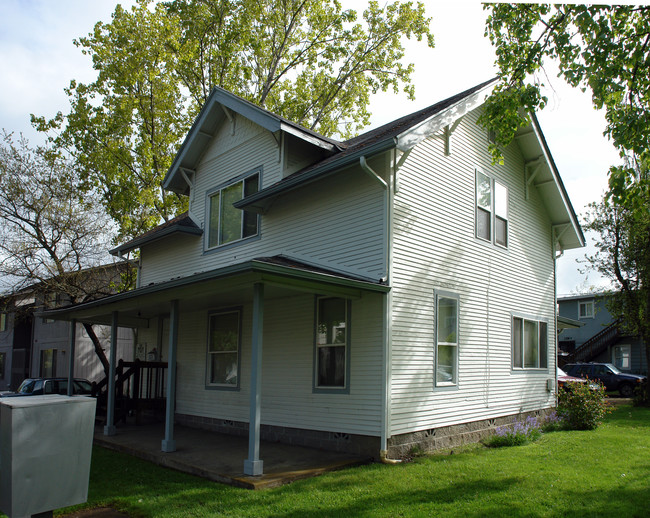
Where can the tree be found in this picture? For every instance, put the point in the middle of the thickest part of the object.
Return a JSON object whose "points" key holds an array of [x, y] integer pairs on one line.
{"points": [[52, 235], [307, 60], [606, 50]]}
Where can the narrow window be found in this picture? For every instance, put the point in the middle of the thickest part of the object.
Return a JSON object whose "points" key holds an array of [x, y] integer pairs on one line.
{"points": [[446, 311], [48, 363], [529, 343], [226, 223], [500, 214], [3, 321], [483, 206], [331, 343], [223, 349], [3, 359]]}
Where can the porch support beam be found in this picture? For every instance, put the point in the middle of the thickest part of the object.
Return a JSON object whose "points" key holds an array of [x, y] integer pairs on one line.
{"points": [[109, 429], [168, 443], [253, 465], [71, 354]]}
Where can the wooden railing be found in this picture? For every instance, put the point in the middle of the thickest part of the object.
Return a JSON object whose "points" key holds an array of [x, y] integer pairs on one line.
{"points": [[139, 387], [596, 344]]}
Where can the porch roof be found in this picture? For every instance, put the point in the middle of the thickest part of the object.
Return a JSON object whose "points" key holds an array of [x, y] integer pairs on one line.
{"points": [[230, 285]]}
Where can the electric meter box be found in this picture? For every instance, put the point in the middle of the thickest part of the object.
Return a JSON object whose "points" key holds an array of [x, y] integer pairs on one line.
{"points": [[45, 450]]}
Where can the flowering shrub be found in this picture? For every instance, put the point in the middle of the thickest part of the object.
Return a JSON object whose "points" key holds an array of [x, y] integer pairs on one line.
{"points": [[583, 406], [521, 432], [642, 394]]}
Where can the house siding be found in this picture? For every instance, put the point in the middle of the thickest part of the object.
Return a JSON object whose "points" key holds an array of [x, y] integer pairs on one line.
{"points": [[287, 365], [343, 230], [435, 248]]}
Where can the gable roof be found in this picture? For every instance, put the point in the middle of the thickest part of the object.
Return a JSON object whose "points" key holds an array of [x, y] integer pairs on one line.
{"points": [[217, 109], [181, 224]]}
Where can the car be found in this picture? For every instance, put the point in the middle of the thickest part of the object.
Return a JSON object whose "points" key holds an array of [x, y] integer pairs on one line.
{"points": [[40, 386], [564, 380], [608, 375]]}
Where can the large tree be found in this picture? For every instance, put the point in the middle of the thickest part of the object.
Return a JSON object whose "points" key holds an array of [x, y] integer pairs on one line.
{"points": [[53, 236], [604, 50], [310, 61]]}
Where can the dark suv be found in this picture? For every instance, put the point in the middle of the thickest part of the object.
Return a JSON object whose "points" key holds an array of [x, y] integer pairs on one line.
{"points": [[608, 375]]}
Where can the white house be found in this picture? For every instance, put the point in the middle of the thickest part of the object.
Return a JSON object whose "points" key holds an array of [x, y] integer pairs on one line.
{"points": [[394, 289]]}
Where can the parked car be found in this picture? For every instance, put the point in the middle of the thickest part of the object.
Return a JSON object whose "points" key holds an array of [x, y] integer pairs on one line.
{"points": [[608, 375], [40, 386], [564, 380]]}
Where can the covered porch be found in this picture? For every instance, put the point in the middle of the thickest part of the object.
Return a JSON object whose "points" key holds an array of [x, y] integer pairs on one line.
{"points": [[253, 285]]}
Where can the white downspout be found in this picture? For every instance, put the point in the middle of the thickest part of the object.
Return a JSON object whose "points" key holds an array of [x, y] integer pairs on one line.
{"points": [[386, 307]]}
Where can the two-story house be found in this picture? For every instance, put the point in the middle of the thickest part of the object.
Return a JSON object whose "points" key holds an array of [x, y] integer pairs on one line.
{"points": [[599, 338], [394, 289]]}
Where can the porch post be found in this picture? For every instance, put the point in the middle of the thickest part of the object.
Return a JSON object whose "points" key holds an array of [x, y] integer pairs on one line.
{"points": [[71, 353], [168, 443], [109, 429], [253, 465]]}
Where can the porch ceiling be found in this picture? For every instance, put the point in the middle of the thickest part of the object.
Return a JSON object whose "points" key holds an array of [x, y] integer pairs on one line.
{"points": [[230, 286]]}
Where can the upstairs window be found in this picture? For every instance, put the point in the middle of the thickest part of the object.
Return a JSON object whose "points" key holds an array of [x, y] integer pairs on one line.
{"points": [[529, 343], [586, 309], [226, 223], [491, 210]]}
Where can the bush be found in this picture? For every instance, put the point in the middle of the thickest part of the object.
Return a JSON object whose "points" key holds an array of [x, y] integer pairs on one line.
{"points": [[582, 406], [642, 394], [520, 433]]}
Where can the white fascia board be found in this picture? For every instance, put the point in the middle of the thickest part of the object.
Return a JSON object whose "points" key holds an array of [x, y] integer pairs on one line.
{"points": [[287, 128], [416, 134]]}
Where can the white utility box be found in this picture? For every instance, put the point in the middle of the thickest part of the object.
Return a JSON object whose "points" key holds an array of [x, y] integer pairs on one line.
{"points": [[45, 450]]}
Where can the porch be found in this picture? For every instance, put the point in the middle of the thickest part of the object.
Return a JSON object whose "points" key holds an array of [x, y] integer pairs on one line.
{"points": [[218, 457]]}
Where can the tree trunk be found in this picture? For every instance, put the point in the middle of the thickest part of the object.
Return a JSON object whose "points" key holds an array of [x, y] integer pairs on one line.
{"points": [[98, 347]]}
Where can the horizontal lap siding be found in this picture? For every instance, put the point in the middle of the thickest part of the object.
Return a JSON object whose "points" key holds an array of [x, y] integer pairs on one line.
{"points": [[287, 367], [435, 248], [335, 223]]}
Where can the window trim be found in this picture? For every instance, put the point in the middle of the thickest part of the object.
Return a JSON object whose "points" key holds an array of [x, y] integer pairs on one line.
{"points": [[451, 385], [492, 210], [587, 303], [208, 200], [208, 363], [345, 389], [538, 321]]}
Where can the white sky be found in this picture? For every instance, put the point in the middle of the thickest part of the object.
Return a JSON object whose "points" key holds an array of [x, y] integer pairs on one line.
{"points": [[38, 60]]}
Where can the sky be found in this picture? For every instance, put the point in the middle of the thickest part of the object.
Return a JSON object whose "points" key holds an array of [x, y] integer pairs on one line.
{"points": [[38, 59]]}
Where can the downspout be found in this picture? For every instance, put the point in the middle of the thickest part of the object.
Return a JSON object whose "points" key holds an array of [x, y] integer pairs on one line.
{"points": [[386, 307]]}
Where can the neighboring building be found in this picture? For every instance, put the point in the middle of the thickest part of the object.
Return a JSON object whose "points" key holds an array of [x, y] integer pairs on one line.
{"points": [[369, 295], [599, 339], [34, 346]]}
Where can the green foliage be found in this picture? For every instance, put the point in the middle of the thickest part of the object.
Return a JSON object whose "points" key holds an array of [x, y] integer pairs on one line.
{"points": [[583, 406], [307, 60], [517, 434], [642, 394]]}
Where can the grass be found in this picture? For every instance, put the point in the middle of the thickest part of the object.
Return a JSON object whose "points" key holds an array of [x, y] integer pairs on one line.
{"points": [[605, 472]]}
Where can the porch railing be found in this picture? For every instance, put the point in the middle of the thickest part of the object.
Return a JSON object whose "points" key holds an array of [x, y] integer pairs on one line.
{"points": [[596, 344], [140, 388]]}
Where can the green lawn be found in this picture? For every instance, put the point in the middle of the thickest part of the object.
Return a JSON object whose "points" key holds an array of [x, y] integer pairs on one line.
{"points": [[605, 472]]}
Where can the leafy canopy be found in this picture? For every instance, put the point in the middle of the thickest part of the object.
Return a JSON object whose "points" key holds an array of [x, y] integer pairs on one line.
{"points": [[310, 61]]}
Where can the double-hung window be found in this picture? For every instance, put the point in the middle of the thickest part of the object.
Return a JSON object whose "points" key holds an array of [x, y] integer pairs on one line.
{"points": [[226, 223], [491, 210], [332, 355], [224, 339], [446, 335], [586, 309], [529, 343]]}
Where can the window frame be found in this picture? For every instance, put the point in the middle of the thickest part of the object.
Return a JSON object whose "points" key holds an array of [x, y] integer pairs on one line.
{"points": [[3, 364], [492, 211], [42, 360], [218, 190], [330, 389], [542, 345], [454, 383], [625, 354], [3, 322], [208, 358], [587, 303]]}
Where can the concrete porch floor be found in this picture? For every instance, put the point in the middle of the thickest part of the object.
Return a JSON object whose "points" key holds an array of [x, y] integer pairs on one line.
{"points": [[220, 457]]}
